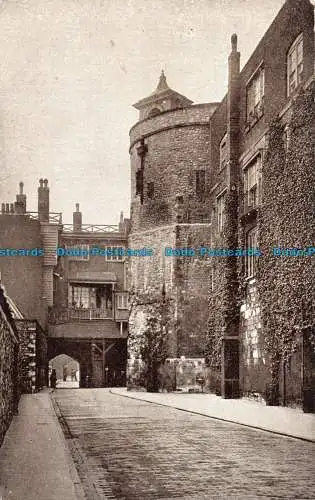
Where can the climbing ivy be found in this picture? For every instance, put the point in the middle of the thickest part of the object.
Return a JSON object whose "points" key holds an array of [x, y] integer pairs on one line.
{"points": [[224, 298], [285, 219], [285, 284], [150, 342]]}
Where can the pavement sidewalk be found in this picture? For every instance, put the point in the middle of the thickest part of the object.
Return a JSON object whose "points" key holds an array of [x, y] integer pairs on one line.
{"points": [[35, 462], [277, 419]]}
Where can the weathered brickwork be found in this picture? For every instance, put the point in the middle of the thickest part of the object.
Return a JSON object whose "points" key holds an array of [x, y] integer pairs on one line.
{"points": [[19, 231], [170, 180], [254, 359], [199, 113], [8, 366], [247, 141], [32, 356], [170, 165], [185, 280]]}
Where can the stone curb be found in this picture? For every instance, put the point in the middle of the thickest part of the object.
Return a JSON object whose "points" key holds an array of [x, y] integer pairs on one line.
{"points": [[72, 468], [284, 434]]}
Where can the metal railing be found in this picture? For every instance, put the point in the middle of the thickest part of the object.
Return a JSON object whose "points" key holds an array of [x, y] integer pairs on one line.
{"points": [[53, 217], [68, 314], [91, 228]]}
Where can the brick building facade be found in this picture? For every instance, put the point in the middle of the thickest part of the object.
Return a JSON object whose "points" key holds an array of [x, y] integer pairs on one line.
{"points": [[252, 357], [89, 317], [68, 304]]}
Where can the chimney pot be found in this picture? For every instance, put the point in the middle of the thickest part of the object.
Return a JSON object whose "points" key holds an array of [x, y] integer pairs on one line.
{"points": [[43, 201], [234, 42], [77, 219], [21, 187]]}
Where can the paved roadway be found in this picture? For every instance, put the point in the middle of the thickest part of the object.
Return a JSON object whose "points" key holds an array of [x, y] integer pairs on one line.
{"points": [[128, 449]]}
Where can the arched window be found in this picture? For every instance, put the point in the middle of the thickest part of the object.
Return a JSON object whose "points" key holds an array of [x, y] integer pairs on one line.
{"points": [[153, 112]]}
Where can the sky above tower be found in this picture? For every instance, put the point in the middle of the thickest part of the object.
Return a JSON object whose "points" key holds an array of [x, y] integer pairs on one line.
{"points": [[71, 70]]}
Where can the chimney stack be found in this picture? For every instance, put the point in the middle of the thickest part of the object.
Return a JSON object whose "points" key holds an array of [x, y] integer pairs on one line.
{"points": [[20, 204], [77, 219], [233, 109], [121, 223], [43, 200], [230, 342]]}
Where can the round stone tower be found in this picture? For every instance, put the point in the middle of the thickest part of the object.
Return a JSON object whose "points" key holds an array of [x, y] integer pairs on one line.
{"points": [[170, 208], [170, 161]]}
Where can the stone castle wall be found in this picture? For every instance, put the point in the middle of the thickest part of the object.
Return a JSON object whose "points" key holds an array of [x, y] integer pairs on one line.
{"points": [[177, 145], [177, 148], [8, 367]]}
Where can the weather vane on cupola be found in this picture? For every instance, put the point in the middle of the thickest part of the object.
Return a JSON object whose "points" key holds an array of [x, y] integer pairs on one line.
{"points": [[162, 85]]}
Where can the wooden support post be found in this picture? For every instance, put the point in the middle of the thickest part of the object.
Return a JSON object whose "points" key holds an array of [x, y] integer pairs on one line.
{"points": [[103, 363]]}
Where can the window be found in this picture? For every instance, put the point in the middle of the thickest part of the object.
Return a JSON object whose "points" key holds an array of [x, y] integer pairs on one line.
{"points": [[255, 96], [251, 258], [251, 184], [114, 254], [154, 112], [220, 212], [223, 153], [122, 301], [139, 182], [90, 297], [78, 252], [295, 65], [150, 190], [200, 183]]}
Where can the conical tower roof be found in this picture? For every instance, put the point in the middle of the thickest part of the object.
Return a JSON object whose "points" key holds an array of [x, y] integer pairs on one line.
{"points": [[163, 99], [162, 85]]}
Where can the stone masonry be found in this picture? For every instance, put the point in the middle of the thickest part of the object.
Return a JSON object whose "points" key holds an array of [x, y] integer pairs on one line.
{"points": [[8, 366]]}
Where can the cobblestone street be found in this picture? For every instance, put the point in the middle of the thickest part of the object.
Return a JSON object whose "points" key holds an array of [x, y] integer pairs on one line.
{"points": [[129, 449]]}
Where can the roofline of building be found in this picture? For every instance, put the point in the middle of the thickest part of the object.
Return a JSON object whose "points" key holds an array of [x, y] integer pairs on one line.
{"points": [[156, 98], [201, 105], [269, 29]]}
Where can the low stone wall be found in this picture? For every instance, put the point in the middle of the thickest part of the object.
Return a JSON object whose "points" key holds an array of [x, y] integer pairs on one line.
{"points": [[9, 394], [183, 374], [32, 356]]}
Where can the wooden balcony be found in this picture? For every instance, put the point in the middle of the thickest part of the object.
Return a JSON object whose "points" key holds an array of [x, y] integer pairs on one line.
{"points": [[72, 314]]}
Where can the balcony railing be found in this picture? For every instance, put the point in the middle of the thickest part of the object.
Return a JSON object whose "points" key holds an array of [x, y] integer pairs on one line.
{"points": [[91, 228], [69, 314], [54, 217]]}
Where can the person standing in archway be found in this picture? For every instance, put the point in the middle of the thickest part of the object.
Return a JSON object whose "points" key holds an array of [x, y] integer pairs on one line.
{"points": [[53, 379]]}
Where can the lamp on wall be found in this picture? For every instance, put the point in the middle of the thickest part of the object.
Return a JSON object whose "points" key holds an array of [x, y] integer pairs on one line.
{"points": [[59, 276]]}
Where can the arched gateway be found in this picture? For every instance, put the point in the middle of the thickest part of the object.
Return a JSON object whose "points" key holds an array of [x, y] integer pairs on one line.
{"points": [[102, 361]]}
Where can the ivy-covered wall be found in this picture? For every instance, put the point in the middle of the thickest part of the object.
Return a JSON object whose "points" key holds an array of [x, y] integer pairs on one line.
{"points": [[150, 327], [276, 328], [224, 300], [286, 220]]}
